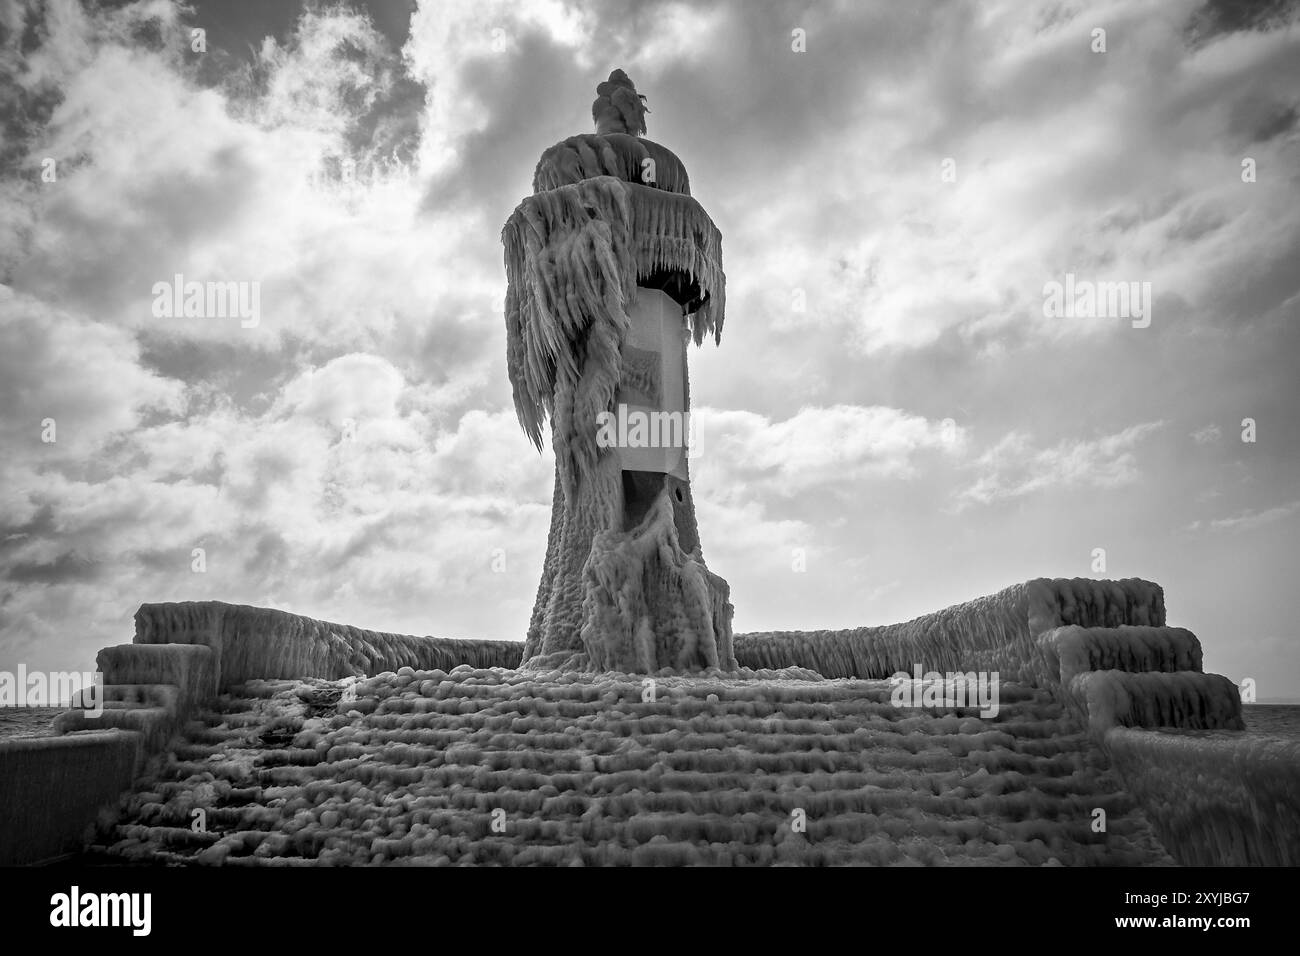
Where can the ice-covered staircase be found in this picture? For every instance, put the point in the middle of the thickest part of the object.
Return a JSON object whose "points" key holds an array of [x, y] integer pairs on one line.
{"points": [[1215, 795], [1139, 676], [494, 766], [1103, 705], [149, 689]]}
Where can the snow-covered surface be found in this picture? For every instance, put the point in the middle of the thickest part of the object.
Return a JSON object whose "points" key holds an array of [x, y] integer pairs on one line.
{"points": [[574, 254], [994, 633], [1216, 797], [256, 642], [620, 155], [649, 605], [1186, 699], [1073, 650], [586, 769]]}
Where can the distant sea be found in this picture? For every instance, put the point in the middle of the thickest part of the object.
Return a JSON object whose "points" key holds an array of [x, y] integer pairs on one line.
{"points": [[27, 721], [1278, 720]]}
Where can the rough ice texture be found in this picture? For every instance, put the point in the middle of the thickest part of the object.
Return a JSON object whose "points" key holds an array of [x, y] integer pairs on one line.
{"points": [[51, 789], [155, 726], [1217, 798], [254, 642], [573, 256], [191, 668], [585, 770], [148, 689], [1073, 650], [648, 605], [994, 633], [1186, 699], [620, 155], [618, 106]]}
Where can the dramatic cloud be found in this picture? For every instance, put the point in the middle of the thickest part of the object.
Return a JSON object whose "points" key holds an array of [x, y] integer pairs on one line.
{"points": [[1207, 435], [820, 447], [891, 423], [1250, 520], [1014, 467]]}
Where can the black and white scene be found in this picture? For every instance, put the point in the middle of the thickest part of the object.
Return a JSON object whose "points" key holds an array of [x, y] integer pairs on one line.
{"points": [[690, 433]]}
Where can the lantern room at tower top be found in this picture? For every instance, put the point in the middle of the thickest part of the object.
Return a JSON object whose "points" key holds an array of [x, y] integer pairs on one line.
{"points": [[611, 267]]}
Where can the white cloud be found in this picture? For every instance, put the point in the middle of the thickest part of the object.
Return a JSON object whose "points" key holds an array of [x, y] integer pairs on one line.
{"points": [[1250, 519], [84, 375], [1015, 467], [819, 447], [822, 430], [1207, 435]]}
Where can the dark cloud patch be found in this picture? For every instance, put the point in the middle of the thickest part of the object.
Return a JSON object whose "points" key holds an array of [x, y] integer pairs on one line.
{"points": [[16, 535], [1283, 120], [239, 26], [25, 108], [231, 371], [750, 105], [116, 259], [270, 558], [165, 561], [495, 166], [251, 489], [380, 100], [236, 30], [1250, 297], [390, 129], [1217, 17], [1259, 120], [67, 568]]}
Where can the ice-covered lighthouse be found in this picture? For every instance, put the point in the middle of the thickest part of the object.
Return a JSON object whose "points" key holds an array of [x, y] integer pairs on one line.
{"points": [[612, 267]]}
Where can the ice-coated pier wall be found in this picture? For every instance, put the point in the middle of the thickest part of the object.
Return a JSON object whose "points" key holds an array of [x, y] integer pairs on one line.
{"points": [[997, 632], [994, 633], [52, 787], [1218, 799], [253, 643]]}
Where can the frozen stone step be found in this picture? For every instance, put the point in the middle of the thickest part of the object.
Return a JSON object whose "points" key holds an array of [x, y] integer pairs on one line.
{"points": [[1188, 700], [587, 772], [166, 696], [1074, 650], [190, 668], [156, 724], [1216, 797]]}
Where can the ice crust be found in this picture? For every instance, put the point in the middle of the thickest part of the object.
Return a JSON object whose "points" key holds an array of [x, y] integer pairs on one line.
{"points": [[1215, 798], [1187, 699], [574, 254], [649, 605], [620, 155], [587, 771], [253, 642], [998, 632], [1073, 650]]}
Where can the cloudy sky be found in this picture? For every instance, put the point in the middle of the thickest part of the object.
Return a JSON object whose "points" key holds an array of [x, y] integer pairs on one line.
{"points": [[919, 429]]}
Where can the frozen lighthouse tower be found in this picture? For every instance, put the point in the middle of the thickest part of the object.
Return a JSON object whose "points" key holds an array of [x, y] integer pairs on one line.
{"points": [[612, 267]]}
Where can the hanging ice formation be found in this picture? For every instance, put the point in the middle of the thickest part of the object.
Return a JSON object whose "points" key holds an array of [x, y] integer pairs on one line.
{"points": [[609, 251]]}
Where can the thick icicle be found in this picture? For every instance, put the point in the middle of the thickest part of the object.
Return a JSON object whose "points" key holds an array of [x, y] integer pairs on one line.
{"points": [[649, 605], [573, 256]]}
